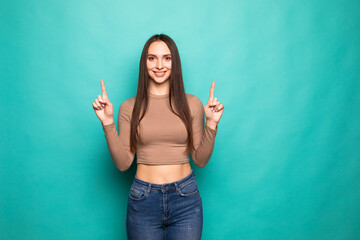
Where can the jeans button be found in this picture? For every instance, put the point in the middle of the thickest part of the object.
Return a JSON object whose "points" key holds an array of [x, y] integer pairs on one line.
{"points": [[164, 188]]}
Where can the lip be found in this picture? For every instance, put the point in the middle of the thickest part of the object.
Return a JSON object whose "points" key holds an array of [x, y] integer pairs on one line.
{"points": [[159, 74]]}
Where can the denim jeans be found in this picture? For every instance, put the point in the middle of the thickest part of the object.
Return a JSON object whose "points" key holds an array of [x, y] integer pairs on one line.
{"points": [[168, 211]]}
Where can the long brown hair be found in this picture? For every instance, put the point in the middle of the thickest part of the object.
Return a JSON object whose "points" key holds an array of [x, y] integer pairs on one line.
{"points": [[176, 92]]}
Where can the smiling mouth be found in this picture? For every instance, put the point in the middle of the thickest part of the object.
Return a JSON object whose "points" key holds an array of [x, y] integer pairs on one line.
{"points": [[159, 74]]}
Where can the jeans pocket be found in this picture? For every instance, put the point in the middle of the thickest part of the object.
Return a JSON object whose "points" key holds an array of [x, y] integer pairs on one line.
{"points": [[137, 192], [188, 188]]}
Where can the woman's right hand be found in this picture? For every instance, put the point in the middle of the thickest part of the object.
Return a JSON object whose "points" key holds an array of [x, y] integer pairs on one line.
{"points": [[103, 107]]}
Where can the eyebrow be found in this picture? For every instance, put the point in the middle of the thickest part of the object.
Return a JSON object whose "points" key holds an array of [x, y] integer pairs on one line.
{"points": [[155, 55]]}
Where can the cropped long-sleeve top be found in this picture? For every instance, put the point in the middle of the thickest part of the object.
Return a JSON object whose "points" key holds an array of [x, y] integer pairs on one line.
{"points": [[163, 134]]}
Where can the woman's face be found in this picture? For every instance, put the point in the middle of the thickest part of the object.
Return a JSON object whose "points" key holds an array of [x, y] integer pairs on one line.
{"points": [[158, 61]]}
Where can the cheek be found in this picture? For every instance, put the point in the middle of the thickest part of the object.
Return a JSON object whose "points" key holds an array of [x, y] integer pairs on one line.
{"points": [[149, 65], [168, 65]]}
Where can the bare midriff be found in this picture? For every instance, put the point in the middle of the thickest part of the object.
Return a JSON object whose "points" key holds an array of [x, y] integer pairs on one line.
{"points": [[160, 174]]}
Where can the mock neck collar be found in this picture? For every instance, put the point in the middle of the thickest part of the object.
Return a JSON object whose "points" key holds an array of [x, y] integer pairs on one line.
{"points": [[158, 96]]}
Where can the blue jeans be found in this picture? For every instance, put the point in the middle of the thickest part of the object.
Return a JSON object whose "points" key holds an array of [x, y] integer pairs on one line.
{"points": [[168, 211]]}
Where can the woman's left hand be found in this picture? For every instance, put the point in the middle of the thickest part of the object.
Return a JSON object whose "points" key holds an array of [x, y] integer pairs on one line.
{"points": [[213, 109]]}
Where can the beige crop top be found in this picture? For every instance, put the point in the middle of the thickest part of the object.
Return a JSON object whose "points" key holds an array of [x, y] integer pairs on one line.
{"points": [[163, 134]]}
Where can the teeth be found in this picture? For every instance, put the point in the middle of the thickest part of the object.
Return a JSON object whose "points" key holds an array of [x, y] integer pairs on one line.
{"points": [[159, 73]]}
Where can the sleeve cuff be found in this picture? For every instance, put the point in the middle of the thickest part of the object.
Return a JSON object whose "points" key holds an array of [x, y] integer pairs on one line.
{"points": [[107, 126], [211, 131]]}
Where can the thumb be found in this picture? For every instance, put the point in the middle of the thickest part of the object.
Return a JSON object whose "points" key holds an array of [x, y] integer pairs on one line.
{"points": [[101, 99], [106, 102]]}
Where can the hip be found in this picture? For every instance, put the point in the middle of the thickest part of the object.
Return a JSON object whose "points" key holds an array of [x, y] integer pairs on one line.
{"points": [[180, 189]]}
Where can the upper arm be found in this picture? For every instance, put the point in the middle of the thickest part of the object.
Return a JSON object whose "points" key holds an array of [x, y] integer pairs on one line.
{"points": [[198, 120], [124, 123]]}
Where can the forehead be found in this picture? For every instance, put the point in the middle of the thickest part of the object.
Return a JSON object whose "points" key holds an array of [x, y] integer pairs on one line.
{"points": [[158, 48]]}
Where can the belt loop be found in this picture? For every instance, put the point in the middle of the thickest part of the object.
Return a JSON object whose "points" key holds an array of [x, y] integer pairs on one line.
{"points": [[149, 188], [176, 186]]}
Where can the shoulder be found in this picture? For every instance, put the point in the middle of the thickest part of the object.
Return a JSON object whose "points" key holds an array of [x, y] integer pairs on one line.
{"points": [[127, 105], [194, 103], [191, 98], [129, 101]]}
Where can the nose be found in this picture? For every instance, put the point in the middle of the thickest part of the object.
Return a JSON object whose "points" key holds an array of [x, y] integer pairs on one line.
{"points": [[159, 64]]}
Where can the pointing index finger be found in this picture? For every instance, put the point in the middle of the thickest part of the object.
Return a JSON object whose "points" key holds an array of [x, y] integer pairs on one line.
{"points": [[212, 90], [103, 89]]}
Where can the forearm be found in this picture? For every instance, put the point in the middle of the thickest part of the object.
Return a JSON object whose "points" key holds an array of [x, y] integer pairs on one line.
{"points": [[205, 149], [121, 156]]}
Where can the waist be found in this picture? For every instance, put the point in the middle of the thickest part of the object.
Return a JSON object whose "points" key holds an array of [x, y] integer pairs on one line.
{"points": [[162, 174], [170, 185]]}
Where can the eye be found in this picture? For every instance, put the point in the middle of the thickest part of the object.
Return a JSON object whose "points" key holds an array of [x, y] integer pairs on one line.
{"points": [[168, 58], [151, 58]]}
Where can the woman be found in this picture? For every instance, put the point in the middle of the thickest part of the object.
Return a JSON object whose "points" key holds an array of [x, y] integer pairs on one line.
{"points": [[163, 125]]}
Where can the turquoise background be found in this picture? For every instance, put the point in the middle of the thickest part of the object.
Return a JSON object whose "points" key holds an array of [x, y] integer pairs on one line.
{"points": [[286, 163]]}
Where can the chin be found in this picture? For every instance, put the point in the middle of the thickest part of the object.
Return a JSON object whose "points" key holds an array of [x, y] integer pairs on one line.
{"points": [[161, 80]]}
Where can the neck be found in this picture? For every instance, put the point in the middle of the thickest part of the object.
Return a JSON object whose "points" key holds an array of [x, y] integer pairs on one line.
{"points": [[159, 88]]}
